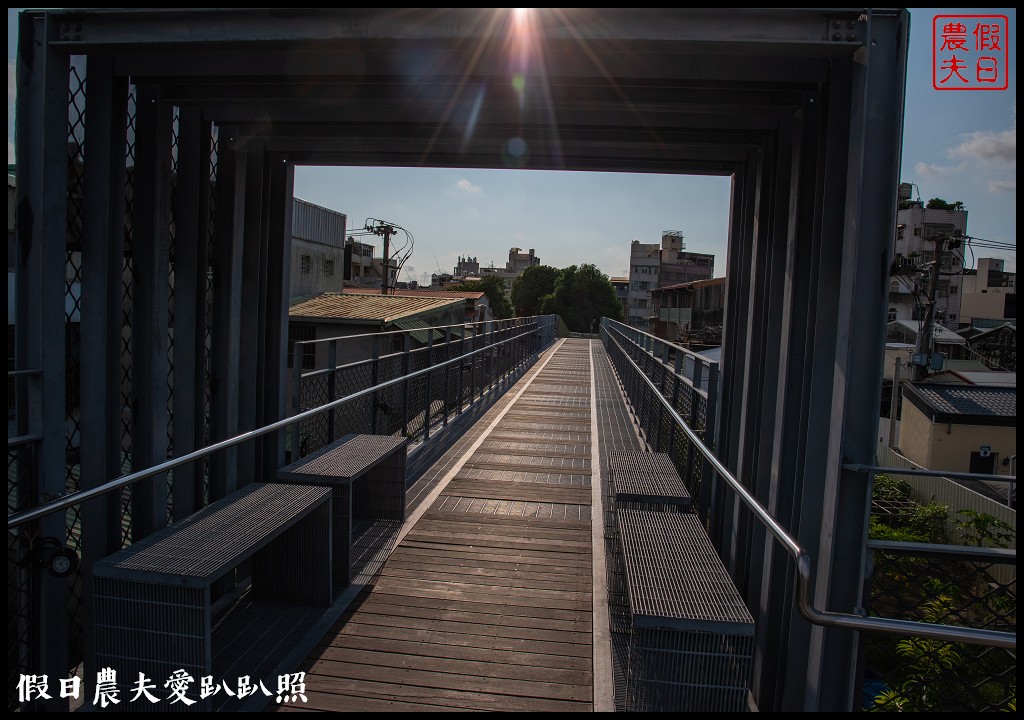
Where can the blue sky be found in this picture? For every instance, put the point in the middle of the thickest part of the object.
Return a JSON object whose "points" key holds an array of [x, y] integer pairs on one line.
{"points": [[956, 145]]}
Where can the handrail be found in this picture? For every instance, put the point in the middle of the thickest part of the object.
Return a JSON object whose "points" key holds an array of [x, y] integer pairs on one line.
{"points": [[858, 467], [803, 579], [81, 496], [432, 327]]}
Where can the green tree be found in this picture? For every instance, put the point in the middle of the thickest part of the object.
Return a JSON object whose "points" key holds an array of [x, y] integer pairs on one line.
{"points": [[530, 288], [494, 288], [582, 296], [940, 204]]}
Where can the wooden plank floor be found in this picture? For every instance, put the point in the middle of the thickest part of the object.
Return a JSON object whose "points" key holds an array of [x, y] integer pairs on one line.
{"points": [[486, 603]]}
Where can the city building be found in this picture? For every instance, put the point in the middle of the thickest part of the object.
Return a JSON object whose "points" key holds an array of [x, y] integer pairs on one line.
{"points": [[359, 264], [467, 266], [691, 314], [621, 287], [654, 265], [989, 293], [947, 342], [917, 229], [318, 250], [644, 259], [519, 260], [959, 428], [995, 346]]}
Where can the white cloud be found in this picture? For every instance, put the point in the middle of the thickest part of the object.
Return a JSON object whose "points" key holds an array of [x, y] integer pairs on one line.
{"points": [[931, 170], [998, 146], [466, 186], [10, 152], [982, 148], [1002, 186]]}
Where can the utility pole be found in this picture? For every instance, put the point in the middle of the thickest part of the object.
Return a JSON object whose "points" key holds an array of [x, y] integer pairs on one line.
{"points": [[923, 352], [894, 404], [385, 231]]}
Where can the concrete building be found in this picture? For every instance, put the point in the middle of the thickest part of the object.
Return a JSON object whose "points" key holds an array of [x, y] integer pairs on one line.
{"points": [[360, 263], [467, 266], [318, 250], [960, 428], [945, 341], [995, 346], [989, 293], [916, 226], [644, 260], [691, 313], [519, 260], [659, 265], [621, 287]]}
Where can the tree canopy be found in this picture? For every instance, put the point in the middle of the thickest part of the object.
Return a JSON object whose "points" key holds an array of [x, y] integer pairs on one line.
{"points": [[940, 204], [494, 288], [530, 288], [582, 296]]}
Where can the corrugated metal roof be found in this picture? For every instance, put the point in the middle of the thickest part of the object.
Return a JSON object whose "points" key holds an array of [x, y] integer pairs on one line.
{"points": [[464, 294], [381, 308], [939, 334], [968, 399]]}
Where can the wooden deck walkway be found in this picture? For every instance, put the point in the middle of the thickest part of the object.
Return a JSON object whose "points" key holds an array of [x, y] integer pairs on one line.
{"points": [[486, 602]]}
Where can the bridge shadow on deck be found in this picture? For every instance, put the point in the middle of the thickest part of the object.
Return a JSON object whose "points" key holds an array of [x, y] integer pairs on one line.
{"points": [[485, 601]]}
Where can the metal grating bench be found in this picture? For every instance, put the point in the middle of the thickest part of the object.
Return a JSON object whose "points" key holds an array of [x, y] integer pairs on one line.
{"points": [[154, 599], [367, 474], [647, 481], [638, 481], [692, 637]]}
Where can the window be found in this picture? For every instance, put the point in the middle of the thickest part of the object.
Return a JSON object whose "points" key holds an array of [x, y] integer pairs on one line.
{"points": [[328, 267], [953, 289], [917, 232], [892, 314], [302, 332], [304, 264]]}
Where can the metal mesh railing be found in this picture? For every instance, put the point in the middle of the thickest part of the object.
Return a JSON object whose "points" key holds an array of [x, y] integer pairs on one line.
{"points": [[962, 599], [446, 373], [914, 674], [682, 380], [917, 575]]}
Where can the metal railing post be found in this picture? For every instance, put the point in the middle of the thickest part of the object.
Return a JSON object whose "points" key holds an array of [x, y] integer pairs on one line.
{"points": [[406, 350], [462, 364], [374, 379], [332, 386], [297, 350], [447, 372], [427, 403]]}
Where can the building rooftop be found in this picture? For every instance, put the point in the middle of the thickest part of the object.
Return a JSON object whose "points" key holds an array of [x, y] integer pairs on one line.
{"points": [[692, 285], [462, 294], [965, 404], [996, 378], [368, 307], [940, 334]]}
